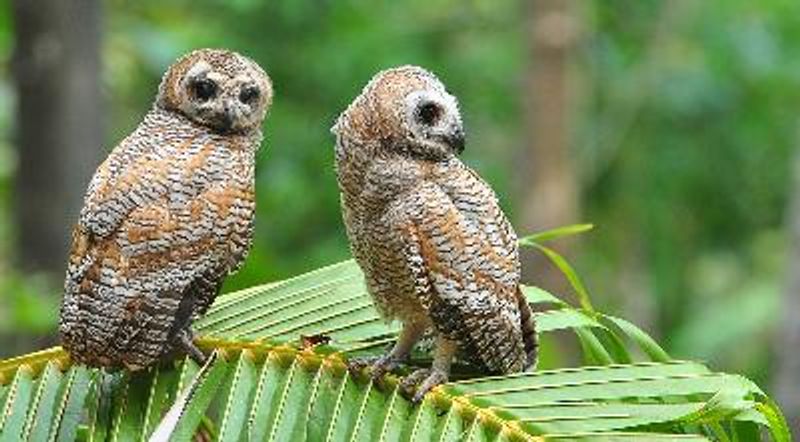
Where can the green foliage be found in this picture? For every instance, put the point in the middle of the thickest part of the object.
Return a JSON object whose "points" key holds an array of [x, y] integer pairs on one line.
{"points": [[684, 124], [263, 383], [27, 307], [685, 143]]}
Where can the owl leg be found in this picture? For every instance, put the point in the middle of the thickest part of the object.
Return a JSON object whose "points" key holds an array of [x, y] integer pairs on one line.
{"points": [[186, 344], [409, 335], [427, 378]]}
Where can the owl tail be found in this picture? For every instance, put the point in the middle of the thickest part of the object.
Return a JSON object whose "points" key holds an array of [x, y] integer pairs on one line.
{"points": [[529, 337]]}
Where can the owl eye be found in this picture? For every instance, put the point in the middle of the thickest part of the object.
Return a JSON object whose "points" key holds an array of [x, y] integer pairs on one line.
{"points": [[204, 89], [249, 94], [428, 113]]}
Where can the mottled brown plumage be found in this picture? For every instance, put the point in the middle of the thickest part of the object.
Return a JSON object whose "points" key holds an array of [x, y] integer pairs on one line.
{"points": [[436, 249], [167, 215]]}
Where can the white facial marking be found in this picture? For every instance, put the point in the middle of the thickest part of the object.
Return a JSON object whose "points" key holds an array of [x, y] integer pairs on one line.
{"points": [[198, 68]]}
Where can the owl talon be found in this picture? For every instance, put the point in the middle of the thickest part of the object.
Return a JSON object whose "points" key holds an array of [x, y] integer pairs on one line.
{"points": [[356, 366], [410, 382], [421, 382], [383, 365], [434, 379], [378, 365]]}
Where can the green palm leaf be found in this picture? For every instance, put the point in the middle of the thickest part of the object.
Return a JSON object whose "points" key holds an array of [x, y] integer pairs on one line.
{"points": [[262, 384]]}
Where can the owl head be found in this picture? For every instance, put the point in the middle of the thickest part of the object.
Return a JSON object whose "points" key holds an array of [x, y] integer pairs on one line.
{"points": [[222, 90], [405, 109]]}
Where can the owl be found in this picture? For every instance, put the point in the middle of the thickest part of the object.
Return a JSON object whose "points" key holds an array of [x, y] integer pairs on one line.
{"points": [[167, 216], [437, 252]]}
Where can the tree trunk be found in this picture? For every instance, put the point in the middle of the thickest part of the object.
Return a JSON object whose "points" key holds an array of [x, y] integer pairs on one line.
{"points": [[549, 184], [59, 123], [787, 341]]}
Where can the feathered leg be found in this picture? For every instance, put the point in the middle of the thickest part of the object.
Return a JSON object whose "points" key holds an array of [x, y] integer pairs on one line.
{"points": [[409, 336]]}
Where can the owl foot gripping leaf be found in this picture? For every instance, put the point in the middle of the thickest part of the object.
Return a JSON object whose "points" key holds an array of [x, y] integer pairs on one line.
{"points": [[167, 216], [436, 249]]}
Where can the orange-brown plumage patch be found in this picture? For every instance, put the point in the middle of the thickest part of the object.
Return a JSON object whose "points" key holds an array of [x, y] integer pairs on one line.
{"points": [[85, 286], [80, 243], [93, 272], [153, 261], [131, 180], [506, 264], [431, 256], [451, 225], [198, 160], [149, 223], [196, 209], [426, 249], [223, 199], [103, 175]]}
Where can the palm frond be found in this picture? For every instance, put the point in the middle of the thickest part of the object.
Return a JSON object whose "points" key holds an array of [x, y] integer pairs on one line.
{"points": [[262, 384]]}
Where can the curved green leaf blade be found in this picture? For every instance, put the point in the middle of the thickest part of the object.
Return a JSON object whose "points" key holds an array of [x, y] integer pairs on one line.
{"points": [[271, 380], [15, 408], [69, 405], [570, 273], [325, 400], [558, 232], [290, 417], [239, 396], [41, 409], [647, 344], [188, 410]]}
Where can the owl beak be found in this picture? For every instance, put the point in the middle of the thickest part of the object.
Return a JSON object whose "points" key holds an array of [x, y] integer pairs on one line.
{"points": [[457, 140], [227, 118]]}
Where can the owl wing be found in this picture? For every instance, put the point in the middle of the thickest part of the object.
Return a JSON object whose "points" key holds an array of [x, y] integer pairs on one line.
{"points": [[476, 200], [473, 197], [467, 286], [135, 176], [124, 181], [155, 239]]}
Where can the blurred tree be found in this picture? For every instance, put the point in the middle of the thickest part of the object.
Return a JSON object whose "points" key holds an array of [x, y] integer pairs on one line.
{"points": [[787, 339], [548, 180], [59, 122]]}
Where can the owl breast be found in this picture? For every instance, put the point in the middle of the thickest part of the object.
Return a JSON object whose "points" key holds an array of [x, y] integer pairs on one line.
{"points": [[391, 284], [371, 211]]}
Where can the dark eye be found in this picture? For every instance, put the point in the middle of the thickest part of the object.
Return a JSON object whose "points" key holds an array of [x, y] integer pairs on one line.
{"points": [[429, 113], [204, 89], [249, 94]]}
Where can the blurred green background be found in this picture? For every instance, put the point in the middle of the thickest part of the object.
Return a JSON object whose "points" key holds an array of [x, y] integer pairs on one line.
{"points": [[671, 125]]}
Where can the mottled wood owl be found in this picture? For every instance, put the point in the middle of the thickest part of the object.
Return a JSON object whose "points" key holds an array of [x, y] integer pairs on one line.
{"points": [[436, 249], [167, 215]]}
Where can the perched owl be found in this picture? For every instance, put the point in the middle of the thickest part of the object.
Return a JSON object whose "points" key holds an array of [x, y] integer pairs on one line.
{"points": [[436, 249], [167, 215]]}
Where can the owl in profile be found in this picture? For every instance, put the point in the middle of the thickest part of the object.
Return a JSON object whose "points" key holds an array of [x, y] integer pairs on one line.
{"points": [[437, 251], [167, 216]]}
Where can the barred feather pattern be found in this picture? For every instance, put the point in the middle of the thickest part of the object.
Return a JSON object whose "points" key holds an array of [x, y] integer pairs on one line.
{"points": [[166, 217], [429, 233]]}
